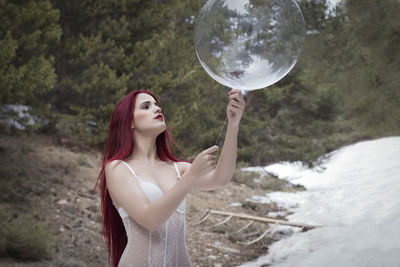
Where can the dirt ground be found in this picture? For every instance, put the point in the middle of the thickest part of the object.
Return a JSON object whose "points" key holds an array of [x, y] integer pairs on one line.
{"points": [[45, 177]]}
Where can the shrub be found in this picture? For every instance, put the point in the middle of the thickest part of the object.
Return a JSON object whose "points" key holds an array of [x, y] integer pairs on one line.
{"points": [[24, 237]]}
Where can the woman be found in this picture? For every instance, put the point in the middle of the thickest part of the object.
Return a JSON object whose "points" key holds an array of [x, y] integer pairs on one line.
{"points": [[144, 186]]}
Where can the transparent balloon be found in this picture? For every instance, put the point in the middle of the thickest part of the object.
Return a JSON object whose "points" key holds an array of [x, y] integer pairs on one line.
{"points": [[249, 44]]}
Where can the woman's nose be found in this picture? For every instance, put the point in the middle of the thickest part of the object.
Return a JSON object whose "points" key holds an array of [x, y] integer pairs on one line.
{"points": [[157, 109]]}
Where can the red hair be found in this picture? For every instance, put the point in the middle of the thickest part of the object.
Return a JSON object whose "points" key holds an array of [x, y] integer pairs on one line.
{"points": [[119, 145]]}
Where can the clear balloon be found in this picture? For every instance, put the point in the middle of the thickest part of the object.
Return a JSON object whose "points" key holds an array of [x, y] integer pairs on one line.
{"points": [[249, 44]]}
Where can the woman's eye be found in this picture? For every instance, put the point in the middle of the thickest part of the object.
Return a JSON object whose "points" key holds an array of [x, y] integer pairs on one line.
{"points": [[146, 107]]}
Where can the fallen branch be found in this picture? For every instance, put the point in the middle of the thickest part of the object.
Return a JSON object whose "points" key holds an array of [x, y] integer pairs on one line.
{"points": [[255, 218], [244, 227], [202, 220], [252, 219], [258, 238], [252, 233], [222, 222], [224, 249]]}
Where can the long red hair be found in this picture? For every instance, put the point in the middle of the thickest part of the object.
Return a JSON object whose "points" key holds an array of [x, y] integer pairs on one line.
{"points": [[119, 145]]}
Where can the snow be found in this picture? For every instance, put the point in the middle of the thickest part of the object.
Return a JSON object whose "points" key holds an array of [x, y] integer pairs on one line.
{"points": [[354, 198], [19, 116]]}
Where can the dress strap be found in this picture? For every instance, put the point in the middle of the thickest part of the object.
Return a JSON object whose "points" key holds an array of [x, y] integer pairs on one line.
{"points": [[177, 170], [129, 167]]}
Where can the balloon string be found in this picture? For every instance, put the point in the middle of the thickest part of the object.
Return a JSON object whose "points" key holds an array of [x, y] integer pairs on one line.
{"points": [[222, 128]]}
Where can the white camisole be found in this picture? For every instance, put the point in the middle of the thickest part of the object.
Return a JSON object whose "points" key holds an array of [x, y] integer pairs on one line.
{"points": [[164, 247]]}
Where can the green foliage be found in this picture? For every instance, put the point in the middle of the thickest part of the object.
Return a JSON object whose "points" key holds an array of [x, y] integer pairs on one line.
{"points": [[28, 33], [343, 88], [374, 102]]}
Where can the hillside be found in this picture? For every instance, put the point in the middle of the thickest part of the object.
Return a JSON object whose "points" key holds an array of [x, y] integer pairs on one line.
{"points": [[51, 216]]}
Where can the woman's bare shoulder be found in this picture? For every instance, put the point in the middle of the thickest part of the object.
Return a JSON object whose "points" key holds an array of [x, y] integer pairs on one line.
{"points": [[112, 165]]}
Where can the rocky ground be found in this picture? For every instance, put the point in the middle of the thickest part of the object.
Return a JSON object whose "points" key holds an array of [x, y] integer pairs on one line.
{"points": [[45, 181]]}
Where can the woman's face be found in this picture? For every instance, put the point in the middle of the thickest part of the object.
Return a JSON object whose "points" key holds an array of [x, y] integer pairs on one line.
{"points": [[148, 118]]}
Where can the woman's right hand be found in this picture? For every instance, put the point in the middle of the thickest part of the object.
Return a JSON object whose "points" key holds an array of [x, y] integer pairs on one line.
{"points": [[204, 163]]}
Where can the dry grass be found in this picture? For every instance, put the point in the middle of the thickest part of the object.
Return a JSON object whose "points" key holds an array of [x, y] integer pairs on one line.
{"points": [[265, 181], [43, 179], [23, 237]]}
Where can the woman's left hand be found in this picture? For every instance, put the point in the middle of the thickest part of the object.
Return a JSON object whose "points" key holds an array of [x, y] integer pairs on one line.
{"points": [[235, 108]]}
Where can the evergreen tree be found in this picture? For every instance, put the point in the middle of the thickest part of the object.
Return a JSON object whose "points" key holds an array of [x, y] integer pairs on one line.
{"points": [[370, 75], [83, 56], [29, 31], [294, 118]]}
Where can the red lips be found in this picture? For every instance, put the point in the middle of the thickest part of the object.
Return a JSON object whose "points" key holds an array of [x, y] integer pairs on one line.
{"points": [[159, 117]]}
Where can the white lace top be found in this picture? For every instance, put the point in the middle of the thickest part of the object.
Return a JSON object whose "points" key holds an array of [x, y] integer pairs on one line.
{"points": [[163, 247]]}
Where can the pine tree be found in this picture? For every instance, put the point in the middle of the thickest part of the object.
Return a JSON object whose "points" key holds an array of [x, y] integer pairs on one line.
{"points": [[29, 31], [370, 75]]}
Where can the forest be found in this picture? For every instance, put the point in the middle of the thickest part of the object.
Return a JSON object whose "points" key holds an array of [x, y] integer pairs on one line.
{"points": [[71, 62]]}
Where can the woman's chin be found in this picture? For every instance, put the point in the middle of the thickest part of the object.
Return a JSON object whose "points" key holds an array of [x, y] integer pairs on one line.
{"points": [[161, 129], [152, 131]]}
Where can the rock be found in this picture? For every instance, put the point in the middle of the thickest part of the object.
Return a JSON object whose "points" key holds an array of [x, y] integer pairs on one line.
{"points": [[62, 202]]}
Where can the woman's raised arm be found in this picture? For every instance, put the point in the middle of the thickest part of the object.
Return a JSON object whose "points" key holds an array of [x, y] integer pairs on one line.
{"points": [[223, 172]]}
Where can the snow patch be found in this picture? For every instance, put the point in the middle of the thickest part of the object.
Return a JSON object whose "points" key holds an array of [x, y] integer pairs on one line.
{"points": [[355, 198]]}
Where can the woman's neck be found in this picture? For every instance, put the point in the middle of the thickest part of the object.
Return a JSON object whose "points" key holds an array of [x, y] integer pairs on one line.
{"points": [[145, 148]]}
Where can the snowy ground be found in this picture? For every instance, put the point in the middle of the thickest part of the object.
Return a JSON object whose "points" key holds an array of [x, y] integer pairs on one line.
{"points": [[356, 201]]}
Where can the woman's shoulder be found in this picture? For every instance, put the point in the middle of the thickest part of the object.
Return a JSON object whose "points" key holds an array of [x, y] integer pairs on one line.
{"points": [[113, 164]]}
